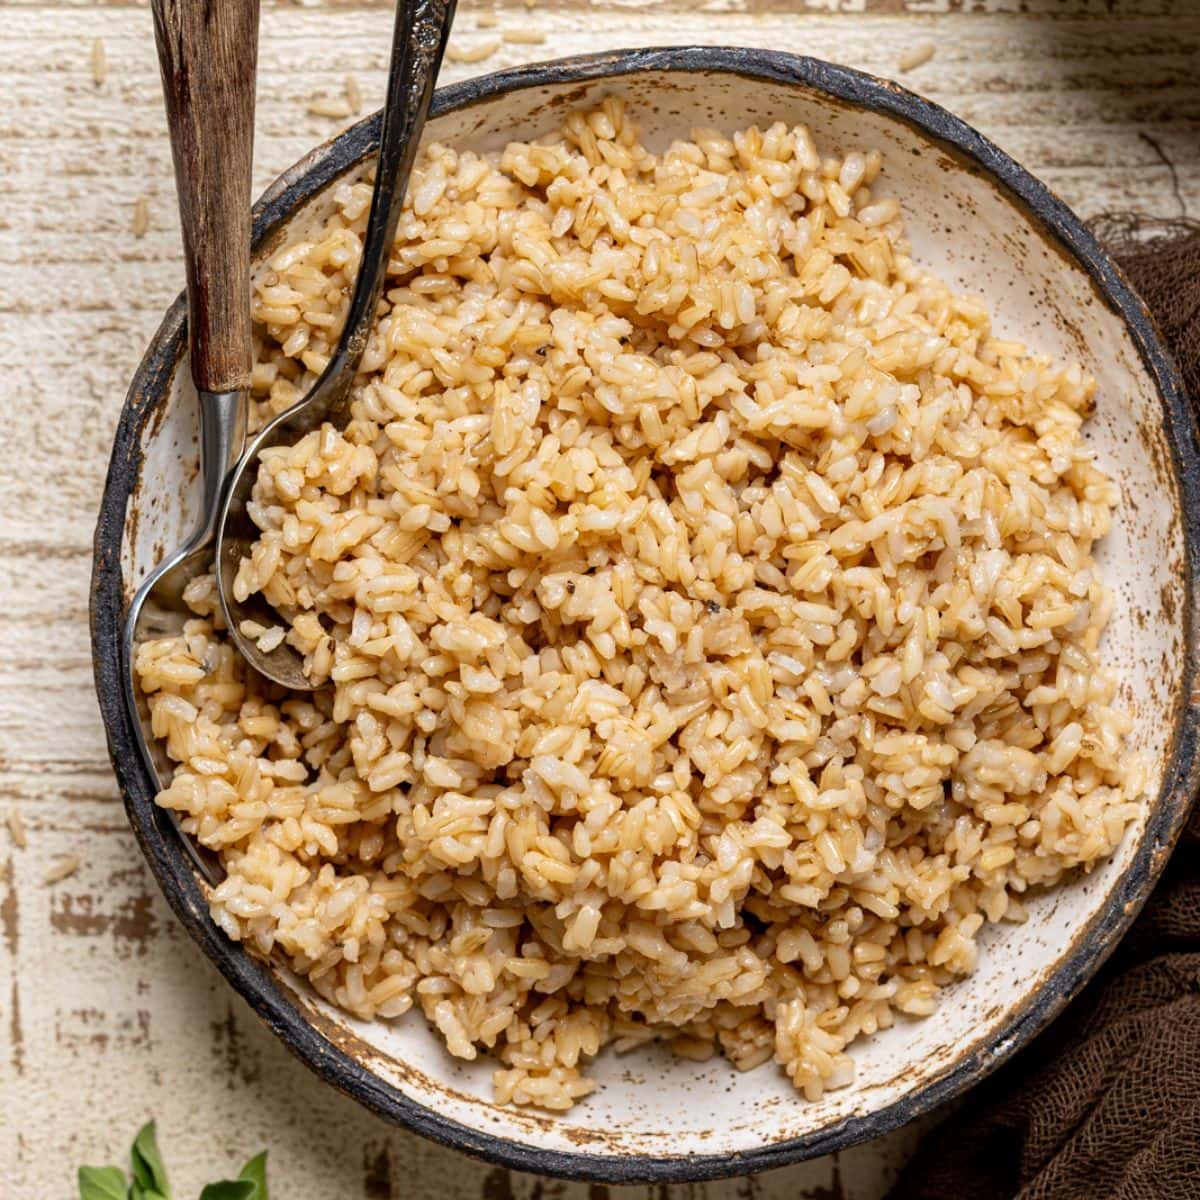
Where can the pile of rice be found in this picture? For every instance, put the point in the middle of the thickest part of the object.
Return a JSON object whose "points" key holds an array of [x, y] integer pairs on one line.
{"points": [[705, 607]]}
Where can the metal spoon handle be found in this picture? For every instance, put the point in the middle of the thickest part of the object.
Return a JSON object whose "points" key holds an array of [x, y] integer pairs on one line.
{"points": [[418, 42]]}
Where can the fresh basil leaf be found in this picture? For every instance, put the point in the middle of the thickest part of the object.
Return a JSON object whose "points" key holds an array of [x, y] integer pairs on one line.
{"points": [[230, 1189], [101, 1183], [149, 1171], [256, 1172]]}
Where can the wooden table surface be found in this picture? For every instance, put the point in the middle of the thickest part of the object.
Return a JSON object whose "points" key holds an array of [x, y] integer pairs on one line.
{"points": [[108, 1014]]}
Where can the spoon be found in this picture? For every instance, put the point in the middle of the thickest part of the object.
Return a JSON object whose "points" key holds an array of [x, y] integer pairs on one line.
{"points": [[418, 41], [207, 52]]}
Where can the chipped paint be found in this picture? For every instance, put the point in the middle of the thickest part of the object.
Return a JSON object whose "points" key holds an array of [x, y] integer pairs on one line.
{"points": [[78, 1028], [130, 921], [16, 1030], [238, 1058], [10, 925]]}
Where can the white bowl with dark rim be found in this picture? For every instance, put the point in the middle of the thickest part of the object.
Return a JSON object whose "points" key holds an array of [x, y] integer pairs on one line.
{"points": [[984, 224]]}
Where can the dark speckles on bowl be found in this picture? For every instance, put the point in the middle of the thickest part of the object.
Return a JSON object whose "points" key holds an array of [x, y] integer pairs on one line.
{"points": [[982, 222]]}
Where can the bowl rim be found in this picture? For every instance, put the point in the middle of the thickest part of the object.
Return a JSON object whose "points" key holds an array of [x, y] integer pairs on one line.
{"points": [[160, 841]]}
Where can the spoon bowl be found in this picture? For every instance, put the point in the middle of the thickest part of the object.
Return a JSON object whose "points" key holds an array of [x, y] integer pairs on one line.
{"points": [[158, 608]]}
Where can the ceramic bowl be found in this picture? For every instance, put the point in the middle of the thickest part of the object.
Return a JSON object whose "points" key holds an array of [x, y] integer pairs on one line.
{"points": [[983, 223]]}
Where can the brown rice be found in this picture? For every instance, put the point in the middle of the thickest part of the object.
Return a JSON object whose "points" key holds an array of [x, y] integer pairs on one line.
{"points": [[472, 54], [62, 867], [324, 105], [16, 827], [354, 96], [140, 224], [524, 37], [99, 62], [917, 56], [705, 606]]}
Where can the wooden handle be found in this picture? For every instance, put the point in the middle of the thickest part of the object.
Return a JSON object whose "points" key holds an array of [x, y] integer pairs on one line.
{"points": [[208, 52]]}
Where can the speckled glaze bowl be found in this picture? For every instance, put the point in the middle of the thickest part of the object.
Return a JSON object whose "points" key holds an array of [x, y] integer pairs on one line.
{"points": [[980, 221]]}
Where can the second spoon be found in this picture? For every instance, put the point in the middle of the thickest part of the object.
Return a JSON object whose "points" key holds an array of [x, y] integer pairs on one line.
{"points": [[418, 42]]}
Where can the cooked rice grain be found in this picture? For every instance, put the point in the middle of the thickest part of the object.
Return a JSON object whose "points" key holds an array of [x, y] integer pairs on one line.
{"points": [[705, 609], [99, 62], [918, 56], [524, 37], [16, 827], [62, 867], [323, 105], [472, 54], [140, 224], [354, 97]]}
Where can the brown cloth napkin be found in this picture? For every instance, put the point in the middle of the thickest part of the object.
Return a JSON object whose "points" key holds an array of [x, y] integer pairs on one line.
{"points": [[1105, 1105]]}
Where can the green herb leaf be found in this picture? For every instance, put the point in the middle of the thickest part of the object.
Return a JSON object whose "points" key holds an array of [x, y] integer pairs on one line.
{"points": [[149, 1171], [256, 1172], [101, 1183], [230, 1189]]}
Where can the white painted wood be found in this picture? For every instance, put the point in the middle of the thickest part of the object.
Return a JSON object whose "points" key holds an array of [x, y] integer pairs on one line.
{"points": [[108, 1014]]}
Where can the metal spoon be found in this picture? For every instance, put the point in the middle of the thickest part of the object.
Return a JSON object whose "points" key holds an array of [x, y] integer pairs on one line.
{"points": [[208, 55], [419, 39]]}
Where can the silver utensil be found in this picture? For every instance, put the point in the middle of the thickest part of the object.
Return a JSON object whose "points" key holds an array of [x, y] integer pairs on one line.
{"points": [[419, 40], [208, 55]]}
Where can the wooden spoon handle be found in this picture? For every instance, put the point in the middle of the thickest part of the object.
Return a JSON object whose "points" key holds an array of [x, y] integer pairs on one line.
{"points": [[208, 52]]}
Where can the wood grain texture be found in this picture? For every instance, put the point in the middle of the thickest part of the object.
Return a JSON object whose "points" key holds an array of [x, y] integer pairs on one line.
{"points": [[208, 53], [108, 1014], [1043, 8]]}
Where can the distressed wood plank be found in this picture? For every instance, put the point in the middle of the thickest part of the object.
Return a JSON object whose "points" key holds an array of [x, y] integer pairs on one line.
{"points": [[469, 8], [108, 1014]]}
